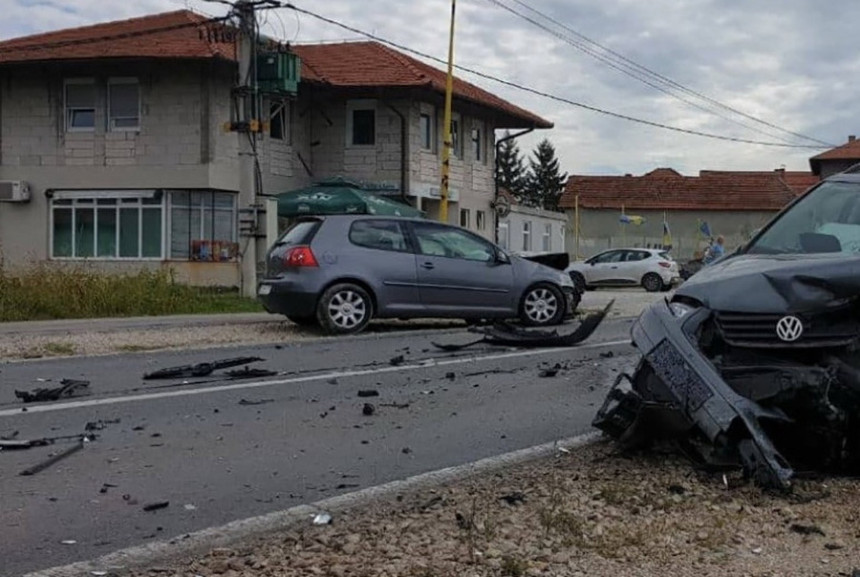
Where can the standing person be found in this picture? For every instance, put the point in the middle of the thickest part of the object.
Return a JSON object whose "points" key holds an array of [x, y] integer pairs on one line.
{"points": [[716, 250]]}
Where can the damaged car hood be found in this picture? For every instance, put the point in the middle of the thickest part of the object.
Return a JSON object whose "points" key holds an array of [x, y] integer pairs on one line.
{"points": [[775, 283]]}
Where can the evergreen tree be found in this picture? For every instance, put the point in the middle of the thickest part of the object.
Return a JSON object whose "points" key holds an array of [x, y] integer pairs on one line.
{"points": [[544, 183], [510, 170]]}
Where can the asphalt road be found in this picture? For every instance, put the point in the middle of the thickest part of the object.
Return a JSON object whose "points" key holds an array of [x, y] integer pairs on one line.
{"points": [[219, 450]]}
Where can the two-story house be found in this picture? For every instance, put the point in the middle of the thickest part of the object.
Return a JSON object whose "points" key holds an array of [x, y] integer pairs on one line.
{"points": [[113, 140]]}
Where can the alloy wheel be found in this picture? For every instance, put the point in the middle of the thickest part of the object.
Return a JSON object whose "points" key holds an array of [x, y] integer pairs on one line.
{"points": [[541, 305], [347, 309]]}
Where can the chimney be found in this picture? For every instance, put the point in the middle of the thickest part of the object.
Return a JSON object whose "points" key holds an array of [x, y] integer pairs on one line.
{"points": [[851, 138]]}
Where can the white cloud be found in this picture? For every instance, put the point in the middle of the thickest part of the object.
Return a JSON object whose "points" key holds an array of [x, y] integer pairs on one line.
{"points": [[786, 61]]}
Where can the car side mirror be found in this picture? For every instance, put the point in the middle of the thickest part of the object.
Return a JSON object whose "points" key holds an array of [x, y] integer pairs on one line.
{"points": [[502, 257]]}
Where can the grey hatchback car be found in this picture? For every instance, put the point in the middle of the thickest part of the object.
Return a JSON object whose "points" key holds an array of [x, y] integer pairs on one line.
{"points": [[339, 271]]}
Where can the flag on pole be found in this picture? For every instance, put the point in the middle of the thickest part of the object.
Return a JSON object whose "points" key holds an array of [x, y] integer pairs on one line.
{"points": [[631, 219], [667, 234]]}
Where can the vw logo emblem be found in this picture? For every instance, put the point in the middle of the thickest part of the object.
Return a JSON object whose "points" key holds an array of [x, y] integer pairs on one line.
{"points": [[789, 329]]}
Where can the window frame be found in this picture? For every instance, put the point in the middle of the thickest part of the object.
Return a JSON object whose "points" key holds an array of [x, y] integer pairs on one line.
{"points": [[478, 143], [415, 226], [109, 116], [78, 81], [408, 249], [481, 219], [457, 136], [465, 212], [89, 200], [352, 107], [546, 237], [503, 232], [426, 133], [280, 112], [527, 235], [211, 207]]}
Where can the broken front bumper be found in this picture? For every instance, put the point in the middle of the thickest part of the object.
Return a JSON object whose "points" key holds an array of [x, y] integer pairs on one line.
{"points": [[676, 392]]}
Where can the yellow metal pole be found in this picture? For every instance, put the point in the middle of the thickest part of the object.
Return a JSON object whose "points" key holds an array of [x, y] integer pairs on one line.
{"points": [[448, 144]]}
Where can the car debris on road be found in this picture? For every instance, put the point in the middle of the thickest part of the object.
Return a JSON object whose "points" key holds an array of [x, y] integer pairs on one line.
{"points": [[506, 334], [57, 457], [200, 369], [68, 388]]}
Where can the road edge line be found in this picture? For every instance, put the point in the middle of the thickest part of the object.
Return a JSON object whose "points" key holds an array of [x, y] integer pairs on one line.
{"points": [[198, 542]]}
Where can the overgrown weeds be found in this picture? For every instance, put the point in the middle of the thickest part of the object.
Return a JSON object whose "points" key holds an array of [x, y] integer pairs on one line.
{"points": [[45, 292]]}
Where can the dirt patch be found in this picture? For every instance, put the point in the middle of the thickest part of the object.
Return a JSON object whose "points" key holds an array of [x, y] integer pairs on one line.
{"points": [[589, 512]]}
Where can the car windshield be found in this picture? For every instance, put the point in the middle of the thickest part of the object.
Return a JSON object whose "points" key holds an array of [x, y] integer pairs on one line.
{"points": [[300, 233], [827, 219]]}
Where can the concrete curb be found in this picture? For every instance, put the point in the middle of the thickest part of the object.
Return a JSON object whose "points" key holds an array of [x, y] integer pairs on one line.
{"points": [[202, 541]]}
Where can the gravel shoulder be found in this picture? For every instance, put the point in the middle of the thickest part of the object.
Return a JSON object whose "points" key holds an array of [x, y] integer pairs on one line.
{"points": [[590, 511]]}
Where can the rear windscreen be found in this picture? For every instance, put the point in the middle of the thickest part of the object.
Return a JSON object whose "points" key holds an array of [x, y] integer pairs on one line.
{"points": [[300, 233]]}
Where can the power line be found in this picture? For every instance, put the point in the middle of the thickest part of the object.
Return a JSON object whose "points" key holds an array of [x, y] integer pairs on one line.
{"points": [[541, 93], [631, 66], [657, 85]]}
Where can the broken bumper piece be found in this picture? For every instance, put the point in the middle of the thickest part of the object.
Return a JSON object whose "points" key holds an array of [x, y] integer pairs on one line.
{"points": [[676, 393]]}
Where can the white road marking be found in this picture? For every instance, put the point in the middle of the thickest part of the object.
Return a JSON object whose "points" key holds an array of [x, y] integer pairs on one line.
{"points": [[431, 363], [200, 542]]}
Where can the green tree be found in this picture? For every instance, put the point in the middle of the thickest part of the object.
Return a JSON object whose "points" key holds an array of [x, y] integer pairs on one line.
{"points": [[510, 168], [544, 183]]}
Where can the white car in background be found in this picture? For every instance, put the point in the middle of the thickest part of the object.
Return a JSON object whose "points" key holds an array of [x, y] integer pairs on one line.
{"points": [[653, 269]]}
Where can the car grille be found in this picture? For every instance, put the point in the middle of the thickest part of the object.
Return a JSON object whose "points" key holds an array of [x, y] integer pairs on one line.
{"points": [[829, 329]]}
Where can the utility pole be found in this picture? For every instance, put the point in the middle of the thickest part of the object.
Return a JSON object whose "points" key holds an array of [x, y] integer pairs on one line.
{"points": [[448, 141], [248, 116]]}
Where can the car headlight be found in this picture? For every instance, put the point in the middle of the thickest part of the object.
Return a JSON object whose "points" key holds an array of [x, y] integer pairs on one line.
{"points": [[680, 310]]}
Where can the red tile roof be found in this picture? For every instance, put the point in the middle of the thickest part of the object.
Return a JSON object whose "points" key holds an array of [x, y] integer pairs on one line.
{"points": [[666, 189], [848, 151], [179, 34], [183, 34], [371, 64]]}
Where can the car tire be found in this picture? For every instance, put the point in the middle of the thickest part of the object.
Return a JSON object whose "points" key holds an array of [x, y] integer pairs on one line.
{"points": [[578, 282], [344, 308], [652, 282], [542, 305], [303, 321]]}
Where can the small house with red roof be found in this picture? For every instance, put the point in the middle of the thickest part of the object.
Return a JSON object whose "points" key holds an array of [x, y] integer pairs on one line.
{"points": [[836, 159], [686, 209], [115, 141]]}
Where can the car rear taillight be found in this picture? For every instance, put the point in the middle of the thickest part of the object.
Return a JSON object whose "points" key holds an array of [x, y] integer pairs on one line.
{"points": [[300, 256], [665, 264]]}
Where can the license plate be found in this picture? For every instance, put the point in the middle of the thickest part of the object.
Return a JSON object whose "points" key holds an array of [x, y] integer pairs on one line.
{"points": [[265, 289]]}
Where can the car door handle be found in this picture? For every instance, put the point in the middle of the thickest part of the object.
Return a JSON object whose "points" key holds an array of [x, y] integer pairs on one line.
{"points": [[428, 265], [615, 267]]}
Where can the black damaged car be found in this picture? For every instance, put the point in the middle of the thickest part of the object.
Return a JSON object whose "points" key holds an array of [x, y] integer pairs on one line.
{"points": [[755, 360]]}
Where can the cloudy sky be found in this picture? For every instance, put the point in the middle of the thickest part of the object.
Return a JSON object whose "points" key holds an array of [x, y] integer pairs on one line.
{"points": [[789, 63]]}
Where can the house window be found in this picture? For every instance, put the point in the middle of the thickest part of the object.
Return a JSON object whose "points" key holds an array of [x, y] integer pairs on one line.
{"points": [[527, 235], [481, 220], [504, 235], [426, 128], [279, 128], [547, 237], [465, 218], [477, 143], [363, 127], [123, 104], [126, 225], [80, 102], [456, 140], [203, 225]]}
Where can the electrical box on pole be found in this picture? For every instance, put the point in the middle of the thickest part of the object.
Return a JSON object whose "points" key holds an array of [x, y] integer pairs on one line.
{"points": [[278, 72]]}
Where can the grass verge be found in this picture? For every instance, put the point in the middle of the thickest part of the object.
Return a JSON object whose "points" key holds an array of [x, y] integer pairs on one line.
{"points": [[43, 293]]}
